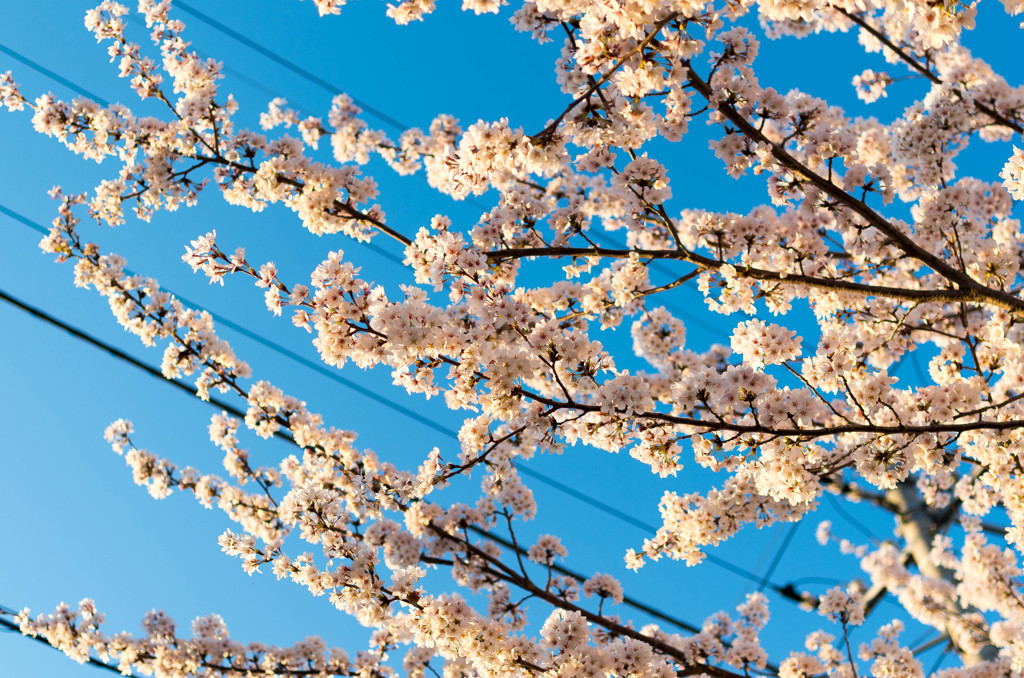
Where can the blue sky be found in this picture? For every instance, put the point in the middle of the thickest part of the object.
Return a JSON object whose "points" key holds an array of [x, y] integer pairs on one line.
{"points": [[77, 527]]}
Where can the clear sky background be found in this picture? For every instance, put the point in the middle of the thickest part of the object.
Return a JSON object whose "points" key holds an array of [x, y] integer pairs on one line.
{"points": [[76, 526]]}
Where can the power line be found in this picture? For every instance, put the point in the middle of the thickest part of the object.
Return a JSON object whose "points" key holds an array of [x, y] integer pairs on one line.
{"points": [[778, 556], [334, 89], [260, 87], [290, 65], [368, 393], [10, 626], [314, 79], [112, 350], [117, 353], [39, 68], [121, 355], [570, 491], [389, 403], [305, 362], [858, 525], [632, 602], [35, 225]]}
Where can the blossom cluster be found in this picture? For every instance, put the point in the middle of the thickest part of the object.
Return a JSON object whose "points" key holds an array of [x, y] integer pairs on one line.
{"points": [[782, 415]]}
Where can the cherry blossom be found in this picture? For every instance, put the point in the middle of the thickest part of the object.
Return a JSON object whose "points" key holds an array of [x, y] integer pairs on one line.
{"points": [[869, 229]]}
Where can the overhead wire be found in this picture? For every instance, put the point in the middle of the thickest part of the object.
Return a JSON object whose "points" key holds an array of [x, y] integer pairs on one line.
{"points": [[778, 556], [276, 347], [857, 525], [604, 507], [562, 487], [597, 235], [309, 364], [121, 355], [91, 661], [286, 63], [321, 83], [39, 68], [304, 73], [369, 108], [112, 350], [77, 333]]}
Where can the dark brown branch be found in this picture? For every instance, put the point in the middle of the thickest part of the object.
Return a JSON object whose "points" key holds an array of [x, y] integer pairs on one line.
{"points": [[707, 263], [972, 290], [923, 70], [596, 84], [709, 426]]}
